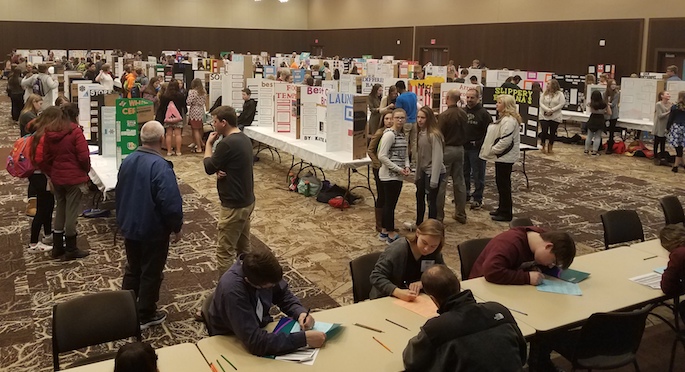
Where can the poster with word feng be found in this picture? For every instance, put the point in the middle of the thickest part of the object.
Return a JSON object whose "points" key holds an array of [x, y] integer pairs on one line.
{"points": [[286, 109]]}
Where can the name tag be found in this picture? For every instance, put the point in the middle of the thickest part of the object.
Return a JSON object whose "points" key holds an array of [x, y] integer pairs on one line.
{"points": [[425, 264]]}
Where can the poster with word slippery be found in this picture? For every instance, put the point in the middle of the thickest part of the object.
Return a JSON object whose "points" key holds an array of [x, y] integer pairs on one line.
{"points": [[528, 103], [313, 114]]}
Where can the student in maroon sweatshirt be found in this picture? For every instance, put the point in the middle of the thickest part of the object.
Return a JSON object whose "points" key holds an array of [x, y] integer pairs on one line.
{"points": [[673, 280], [516, 256]]}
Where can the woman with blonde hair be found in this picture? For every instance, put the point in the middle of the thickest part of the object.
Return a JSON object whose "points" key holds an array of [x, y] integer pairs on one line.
{"points": [[501, 145], [430, 169], [398, 270], [551, 103], [31, 109], [196, 112]]}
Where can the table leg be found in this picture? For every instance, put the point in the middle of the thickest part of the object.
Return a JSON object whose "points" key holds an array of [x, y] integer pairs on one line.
{"points": [[524, 170]]}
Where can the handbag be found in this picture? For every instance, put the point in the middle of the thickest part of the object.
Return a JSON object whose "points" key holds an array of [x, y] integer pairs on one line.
{"points": [[172, 116]]}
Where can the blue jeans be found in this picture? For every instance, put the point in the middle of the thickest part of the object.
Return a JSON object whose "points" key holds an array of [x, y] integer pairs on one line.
{"points": [[474, 167], [597, 136]]}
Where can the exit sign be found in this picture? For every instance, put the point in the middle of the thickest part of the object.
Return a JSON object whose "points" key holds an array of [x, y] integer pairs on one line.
{"points": [[432, 41]]}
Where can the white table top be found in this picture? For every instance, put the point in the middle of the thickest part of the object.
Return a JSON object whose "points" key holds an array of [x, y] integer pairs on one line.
{"points": [[352, 349], [309, 151], [176, 358], [103, 172], [574, 115], [653, 247], [607, 289]]}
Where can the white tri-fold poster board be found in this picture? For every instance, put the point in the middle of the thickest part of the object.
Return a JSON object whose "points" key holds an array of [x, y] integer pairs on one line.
{"points": [[461, 87], [265, 105], [215, 87], [339, 121], [232, 85], [253, 85], [286, 109], [638, 98], [674, 87], [313, 114], [369, 81], [87, 90]]}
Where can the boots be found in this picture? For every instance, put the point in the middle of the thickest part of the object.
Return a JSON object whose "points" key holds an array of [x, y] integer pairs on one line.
{"points": [[379, 219], [57, 245], [72, 250], [31, 207], [550, 149]]}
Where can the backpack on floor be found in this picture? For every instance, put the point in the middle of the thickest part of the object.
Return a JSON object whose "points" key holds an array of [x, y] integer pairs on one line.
{"points": [[19, 160]]}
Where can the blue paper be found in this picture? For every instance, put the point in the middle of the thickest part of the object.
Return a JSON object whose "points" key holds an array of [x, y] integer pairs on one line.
{"points": [[559, 286], [660, 270]]}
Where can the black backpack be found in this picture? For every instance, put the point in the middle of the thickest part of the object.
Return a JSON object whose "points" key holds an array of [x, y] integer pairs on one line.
{"points": [[38, 87]]}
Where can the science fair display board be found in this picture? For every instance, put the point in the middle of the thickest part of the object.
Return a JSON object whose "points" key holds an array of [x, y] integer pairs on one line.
{"points": [[638, 98], [346, 124], [369, 81], [573, 87], [265, 105], [461, 87], [85, 93], [495, 78], [674, 87], [588, 93], [285, 100], [215, 87], [253, 85], [424, 89], [528, 103], [127, 124], [314, 101]]}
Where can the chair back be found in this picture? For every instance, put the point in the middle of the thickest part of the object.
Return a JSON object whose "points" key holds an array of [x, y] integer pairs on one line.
{"points": [[521, 221], [673, 210], [468, 254], [93, 319], [610, 339], [621, 226], [360, 269]]}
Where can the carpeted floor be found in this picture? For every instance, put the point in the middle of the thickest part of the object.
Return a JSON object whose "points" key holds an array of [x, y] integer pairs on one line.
{"points": [[313, 241]]}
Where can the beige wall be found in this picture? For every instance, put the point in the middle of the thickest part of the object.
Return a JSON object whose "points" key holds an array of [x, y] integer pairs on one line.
{"points": [[338, 14], [266, 14]]}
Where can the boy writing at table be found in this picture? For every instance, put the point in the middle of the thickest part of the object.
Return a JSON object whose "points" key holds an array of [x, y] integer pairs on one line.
{"points": [[242, 301], [673, 280], [517, 255]]}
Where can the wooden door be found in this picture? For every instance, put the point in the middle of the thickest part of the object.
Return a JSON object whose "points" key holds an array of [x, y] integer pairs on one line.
{"points": [[670, 58]]}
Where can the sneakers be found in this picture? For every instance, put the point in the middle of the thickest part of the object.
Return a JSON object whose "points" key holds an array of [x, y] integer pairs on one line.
{"points": [[475, 205], [156, 319], [39, 247], [47, 240], [411, 226], [594, 153], [392, 239], [383, 237]]}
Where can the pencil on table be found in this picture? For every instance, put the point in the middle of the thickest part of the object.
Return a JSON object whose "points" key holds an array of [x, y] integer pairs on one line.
{"points": [[382, 344], [369, 328], [229, 362], [222, 367]]}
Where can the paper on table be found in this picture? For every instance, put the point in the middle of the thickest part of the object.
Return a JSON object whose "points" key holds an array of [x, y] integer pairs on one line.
{"points": [[651, 280], [660, 270], [302, 356], [324, 327], [559, 286], [422, 305]]}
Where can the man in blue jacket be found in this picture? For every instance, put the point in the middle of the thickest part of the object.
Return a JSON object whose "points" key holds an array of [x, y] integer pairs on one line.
{"points": [[149, 209], [242, 301]]}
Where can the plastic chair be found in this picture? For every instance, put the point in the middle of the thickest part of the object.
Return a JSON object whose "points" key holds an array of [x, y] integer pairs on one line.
{"points": [[621, 226], [360, 269], [468, 254], [521, 221], [673, 210], [606, 341], [93, 319]]}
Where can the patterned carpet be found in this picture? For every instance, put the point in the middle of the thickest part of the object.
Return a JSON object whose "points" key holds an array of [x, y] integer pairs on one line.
{"points": [[313, 241]]}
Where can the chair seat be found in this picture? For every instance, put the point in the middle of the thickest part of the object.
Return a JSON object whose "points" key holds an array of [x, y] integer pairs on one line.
{"points": [[606, 361], [92, 359]]}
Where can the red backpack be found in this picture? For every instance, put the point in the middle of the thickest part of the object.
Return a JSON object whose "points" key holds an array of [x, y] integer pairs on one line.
{"points": [[19, 160]]}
